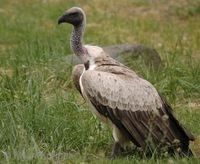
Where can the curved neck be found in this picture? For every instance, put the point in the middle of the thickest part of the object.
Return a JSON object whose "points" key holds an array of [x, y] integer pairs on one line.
{"points": [[76, 40]]}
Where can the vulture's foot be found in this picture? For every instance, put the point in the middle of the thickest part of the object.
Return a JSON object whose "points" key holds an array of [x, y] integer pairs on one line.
{"points": [[116, 151]]}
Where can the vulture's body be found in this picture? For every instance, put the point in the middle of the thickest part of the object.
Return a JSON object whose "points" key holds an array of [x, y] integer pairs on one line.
{"points": [[121, 98]]}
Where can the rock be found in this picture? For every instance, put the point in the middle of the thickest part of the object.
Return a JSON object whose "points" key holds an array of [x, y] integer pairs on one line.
{"points": [[124, 53]]}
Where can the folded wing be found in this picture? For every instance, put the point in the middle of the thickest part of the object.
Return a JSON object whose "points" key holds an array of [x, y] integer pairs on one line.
{"points": [[135, 107]]}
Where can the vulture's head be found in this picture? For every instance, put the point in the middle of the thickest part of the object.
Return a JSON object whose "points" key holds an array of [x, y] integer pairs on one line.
{"points": [[74, 16]]}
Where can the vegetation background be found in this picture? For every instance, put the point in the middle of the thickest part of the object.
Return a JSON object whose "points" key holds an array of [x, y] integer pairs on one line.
{"points": [[43, 119]]}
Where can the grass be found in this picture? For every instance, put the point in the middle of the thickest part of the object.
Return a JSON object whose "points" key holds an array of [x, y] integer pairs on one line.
{"points": [[44, 119]]}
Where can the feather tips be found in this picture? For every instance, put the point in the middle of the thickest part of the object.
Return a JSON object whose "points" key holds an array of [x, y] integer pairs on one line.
{"points": [[116, 92]]}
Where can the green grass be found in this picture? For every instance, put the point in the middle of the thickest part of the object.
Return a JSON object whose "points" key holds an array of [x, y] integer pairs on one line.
{"points": [[43, 118]]}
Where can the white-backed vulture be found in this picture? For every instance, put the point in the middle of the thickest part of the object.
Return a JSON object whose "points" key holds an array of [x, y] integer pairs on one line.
{"points": [[124, 100]]}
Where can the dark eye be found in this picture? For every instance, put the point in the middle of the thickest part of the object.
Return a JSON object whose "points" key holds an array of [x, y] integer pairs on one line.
{"points": [[74, 14]]}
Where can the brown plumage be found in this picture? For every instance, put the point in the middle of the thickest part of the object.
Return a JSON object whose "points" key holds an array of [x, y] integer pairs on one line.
{"points": [[121, 98]]}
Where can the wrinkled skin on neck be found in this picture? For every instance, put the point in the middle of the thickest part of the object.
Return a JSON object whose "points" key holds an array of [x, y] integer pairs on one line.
{"points": [[76, 42]]}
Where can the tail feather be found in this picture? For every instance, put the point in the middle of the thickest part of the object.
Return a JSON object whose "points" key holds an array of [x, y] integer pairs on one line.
{"points": [[183, 134]]}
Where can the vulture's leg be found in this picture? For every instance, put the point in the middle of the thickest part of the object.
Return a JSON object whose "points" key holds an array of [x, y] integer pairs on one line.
{"points": [[116, 151], [120, 142]]}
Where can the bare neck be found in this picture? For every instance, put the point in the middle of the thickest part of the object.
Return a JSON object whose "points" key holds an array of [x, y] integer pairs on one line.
{"points": [[77, 39]]}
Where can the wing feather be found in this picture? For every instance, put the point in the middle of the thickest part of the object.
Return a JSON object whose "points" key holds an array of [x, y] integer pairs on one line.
{"points": [[118, 91], [110, 94], [76, 73], [135, 107]]}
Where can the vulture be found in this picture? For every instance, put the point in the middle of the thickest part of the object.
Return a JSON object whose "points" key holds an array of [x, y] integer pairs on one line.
{"points": [[118, 96]]}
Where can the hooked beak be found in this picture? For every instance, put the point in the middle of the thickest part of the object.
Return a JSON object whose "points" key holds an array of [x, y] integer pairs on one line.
{"points": [[62, 18]]}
